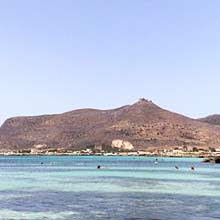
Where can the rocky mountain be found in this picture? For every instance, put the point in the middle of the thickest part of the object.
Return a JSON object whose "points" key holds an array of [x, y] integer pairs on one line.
{"points": [[144, 124], [212, 119]]}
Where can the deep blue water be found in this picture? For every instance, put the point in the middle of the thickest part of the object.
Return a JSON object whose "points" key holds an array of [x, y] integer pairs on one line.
{"points": [[131, 188]]}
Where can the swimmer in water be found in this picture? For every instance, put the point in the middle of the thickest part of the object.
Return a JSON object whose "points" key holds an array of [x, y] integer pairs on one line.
{"points": [[98, 167], [177, 168], [156, 161], [192, 168]]}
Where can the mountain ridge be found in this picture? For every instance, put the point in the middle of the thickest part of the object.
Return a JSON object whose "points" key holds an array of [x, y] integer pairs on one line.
{"points": [[144, 124], [211, 119]]}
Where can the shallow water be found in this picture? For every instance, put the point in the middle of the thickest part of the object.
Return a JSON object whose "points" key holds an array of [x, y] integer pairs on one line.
{"points": [[132, 188]]}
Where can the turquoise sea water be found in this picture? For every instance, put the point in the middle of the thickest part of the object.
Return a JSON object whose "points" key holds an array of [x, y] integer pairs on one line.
{"points": [[131, 188]]}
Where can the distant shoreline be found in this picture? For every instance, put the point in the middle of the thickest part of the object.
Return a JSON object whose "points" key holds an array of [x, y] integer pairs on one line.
{"points": [[172, 152], [96, 155]]}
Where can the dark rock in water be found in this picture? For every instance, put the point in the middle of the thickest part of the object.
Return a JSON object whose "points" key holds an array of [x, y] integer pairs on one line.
{"points": [[217, 160], [212, 160], [207, 160]]}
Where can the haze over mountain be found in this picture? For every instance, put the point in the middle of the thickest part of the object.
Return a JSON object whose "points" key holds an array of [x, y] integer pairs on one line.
{"points": [[144, 124], [211, 119]]}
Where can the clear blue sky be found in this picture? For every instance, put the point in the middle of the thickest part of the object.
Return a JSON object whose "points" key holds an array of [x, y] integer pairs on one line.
{"points": [[59, 55]]}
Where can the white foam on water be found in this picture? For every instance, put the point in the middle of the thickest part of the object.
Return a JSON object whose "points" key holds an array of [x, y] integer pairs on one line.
{"points": [[6, 214]]}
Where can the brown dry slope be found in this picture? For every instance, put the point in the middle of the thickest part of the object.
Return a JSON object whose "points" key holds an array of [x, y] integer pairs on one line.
{"points": [[144, 124]]}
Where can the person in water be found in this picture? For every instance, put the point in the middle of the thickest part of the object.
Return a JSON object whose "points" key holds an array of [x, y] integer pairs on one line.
{"points": [[177, 168], [98, 167], [192, 168]]}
